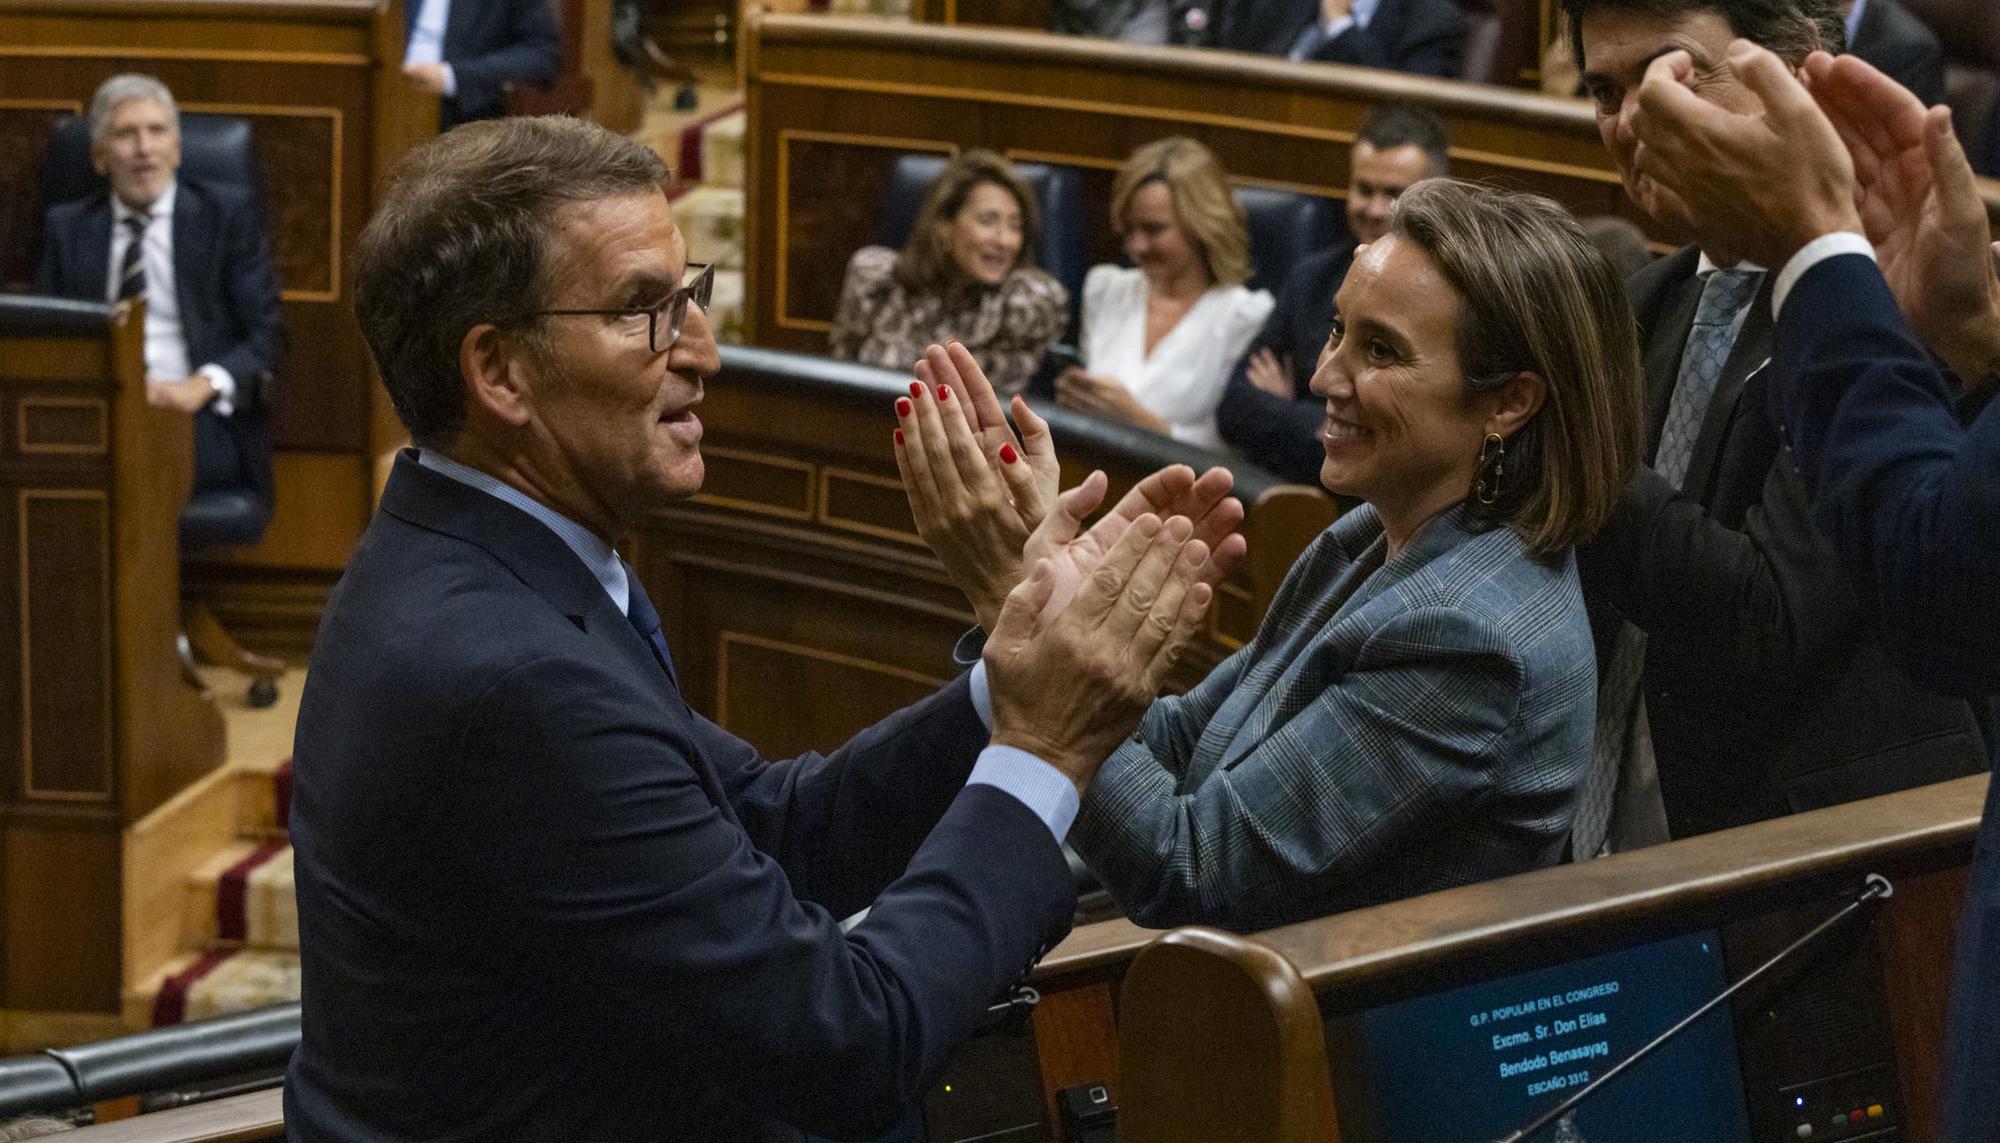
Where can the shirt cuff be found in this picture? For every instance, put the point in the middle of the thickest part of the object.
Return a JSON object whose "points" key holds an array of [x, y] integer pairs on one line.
{"points": [[224, 402], [1042, 788], [450, 81], [982, 695], [1331, 32], [1812, 254]]}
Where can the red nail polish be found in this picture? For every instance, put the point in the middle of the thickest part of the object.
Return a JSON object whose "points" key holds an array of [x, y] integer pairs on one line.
{"points": [[899, 436], [944, 393], [903, 408], [916, 388], [1007, 454]]}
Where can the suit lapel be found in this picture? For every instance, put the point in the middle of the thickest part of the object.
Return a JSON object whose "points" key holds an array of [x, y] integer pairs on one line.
{"points": [[93, 262], [1665, 343], [1750, 353], [191, 235]]}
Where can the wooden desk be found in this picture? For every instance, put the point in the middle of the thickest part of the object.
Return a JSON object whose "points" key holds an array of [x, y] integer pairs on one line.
{"points": [[320, 82], [1272, 1066], [101, 728], [833, 102]]}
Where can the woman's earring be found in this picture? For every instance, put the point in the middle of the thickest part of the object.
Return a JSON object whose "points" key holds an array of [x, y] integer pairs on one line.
{"points": [[1492, 463]]}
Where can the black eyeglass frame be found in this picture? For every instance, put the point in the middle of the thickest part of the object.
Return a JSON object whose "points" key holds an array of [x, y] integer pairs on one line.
{"points": [[698, 291]]}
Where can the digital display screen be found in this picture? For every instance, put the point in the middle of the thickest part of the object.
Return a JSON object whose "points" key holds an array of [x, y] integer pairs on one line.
{"points": [[1476, 1063]]}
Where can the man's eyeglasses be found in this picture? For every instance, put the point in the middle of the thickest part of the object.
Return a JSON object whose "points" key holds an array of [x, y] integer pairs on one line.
{"points": [[664, 320]]}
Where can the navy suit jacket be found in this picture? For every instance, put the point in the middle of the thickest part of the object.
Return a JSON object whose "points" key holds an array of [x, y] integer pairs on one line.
{"points": [[489, 44], [1904, 47], [231, 311], [540, 898], [1282, 433], [1909, 498], [1422, 37], [1767, 688]]}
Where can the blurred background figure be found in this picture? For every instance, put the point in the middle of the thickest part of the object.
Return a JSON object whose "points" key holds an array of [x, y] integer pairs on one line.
{"points": [[1159, 337], [965, 273]]}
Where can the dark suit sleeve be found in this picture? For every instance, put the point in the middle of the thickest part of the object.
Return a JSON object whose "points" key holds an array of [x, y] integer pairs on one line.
{"points": [[1273, 432], [845, 825], [529, 51], [254, 301], [1429, 41], [1766, 598], [604, 856], [1907, 494]]}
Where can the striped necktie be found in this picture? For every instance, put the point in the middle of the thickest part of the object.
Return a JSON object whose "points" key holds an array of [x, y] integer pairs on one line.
{"points": [[132, 268]]}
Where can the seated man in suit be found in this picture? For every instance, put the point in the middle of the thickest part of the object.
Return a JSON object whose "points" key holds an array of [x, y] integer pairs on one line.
{"points": [[1267, 413], [1904, 490], [1740, 673], [1887, 35], [196, 254], [539, 897], [466, 53], [1422, 37]]}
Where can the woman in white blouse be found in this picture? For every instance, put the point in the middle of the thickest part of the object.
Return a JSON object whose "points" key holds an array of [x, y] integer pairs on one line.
{"points": [[1159, 338]]}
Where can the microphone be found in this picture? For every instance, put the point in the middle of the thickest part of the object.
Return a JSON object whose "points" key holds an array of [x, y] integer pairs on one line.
{"points": [[1875, 888]]}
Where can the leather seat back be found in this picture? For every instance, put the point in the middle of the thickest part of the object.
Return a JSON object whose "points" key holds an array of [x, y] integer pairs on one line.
{"points": [[1062, 248], [1285, 226], [214, 148]]}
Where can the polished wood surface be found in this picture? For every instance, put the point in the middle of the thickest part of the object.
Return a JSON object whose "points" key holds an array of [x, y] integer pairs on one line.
{"points": [[102, 729], [238, 1119], [833, 102], [321, 86], [1920, 839], [1201, 1002]]}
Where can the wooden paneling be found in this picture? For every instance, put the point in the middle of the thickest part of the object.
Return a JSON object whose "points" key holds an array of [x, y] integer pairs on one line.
{"points": [[101, 728], [319, 83], [831, 100]]}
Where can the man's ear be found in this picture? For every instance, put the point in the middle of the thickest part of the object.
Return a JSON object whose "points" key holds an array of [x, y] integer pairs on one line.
{"points": [[1516, 403], [491, 365], [97, 160]]}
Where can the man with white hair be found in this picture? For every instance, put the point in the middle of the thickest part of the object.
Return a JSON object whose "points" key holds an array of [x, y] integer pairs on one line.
{"points": [[195, 253]]}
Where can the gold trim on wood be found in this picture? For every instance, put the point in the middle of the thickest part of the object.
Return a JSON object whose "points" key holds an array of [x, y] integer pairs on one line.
{"points": [[332, 291], [727, 638], [104, 651], [74, 106], [785, 137], [825, 495], [336, 59], [101, 408], [757, 506]]}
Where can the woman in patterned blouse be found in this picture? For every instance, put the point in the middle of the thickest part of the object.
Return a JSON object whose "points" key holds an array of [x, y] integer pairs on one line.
{"points": [[964, 274]]}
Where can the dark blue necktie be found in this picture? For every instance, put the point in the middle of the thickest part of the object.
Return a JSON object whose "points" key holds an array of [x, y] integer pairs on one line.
{"points": [[646, 622]]}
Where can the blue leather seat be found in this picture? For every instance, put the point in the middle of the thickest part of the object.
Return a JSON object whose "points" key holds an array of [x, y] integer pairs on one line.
{"points": [[217, 149], [1062, 248], [1284, 227]]}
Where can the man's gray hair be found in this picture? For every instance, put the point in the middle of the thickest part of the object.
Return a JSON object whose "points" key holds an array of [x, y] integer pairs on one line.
{"points": [[123, 88]]}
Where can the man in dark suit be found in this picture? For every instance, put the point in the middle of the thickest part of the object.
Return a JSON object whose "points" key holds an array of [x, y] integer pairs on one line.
{"points": [[1904, 490], [1422, 37], [466, 52], [1267, 412], [539, 897], [195, 253], [1887, 35], [1740, 675]]}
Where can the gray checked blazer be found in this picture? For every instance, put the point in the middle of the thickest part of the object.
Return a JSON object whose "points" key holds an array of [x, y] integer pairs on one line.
{"points": [[1393, 728]]}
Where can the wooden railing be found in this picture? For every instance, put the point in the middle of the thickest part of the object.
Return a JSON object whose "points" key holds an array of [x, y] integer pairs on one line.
{"points": [[1921, 839]]}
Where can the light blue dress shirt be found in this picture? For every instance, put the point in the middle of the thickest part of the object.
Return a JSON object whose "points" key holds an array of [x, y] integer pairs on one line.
{"points": [[1316, 34], [426, 44], [1032, 781]]}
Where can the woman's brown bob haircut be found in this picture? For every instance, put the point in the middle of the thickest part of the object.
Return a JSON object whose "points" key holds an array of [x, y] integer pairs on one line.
{"points": [[926, 263], [461, 238], [1538, 297], [1203, 204]]}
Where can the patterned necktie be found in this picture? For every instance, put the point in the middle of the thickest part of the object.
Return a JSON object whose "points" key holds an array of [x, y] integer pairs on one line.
{"points": [[132, 268], [1723, 296], [646, 621]]}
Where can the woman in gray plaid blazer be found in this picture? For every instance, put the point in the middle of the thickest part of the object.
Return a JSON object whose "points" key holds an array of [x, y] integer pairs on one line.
{"points": [[1416, 710]]}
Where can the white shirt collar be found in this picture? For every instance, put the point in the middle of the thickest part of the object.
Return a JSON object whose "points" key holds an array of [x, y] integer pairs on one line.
{"points": [[1707, 266], [163, 207]]}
